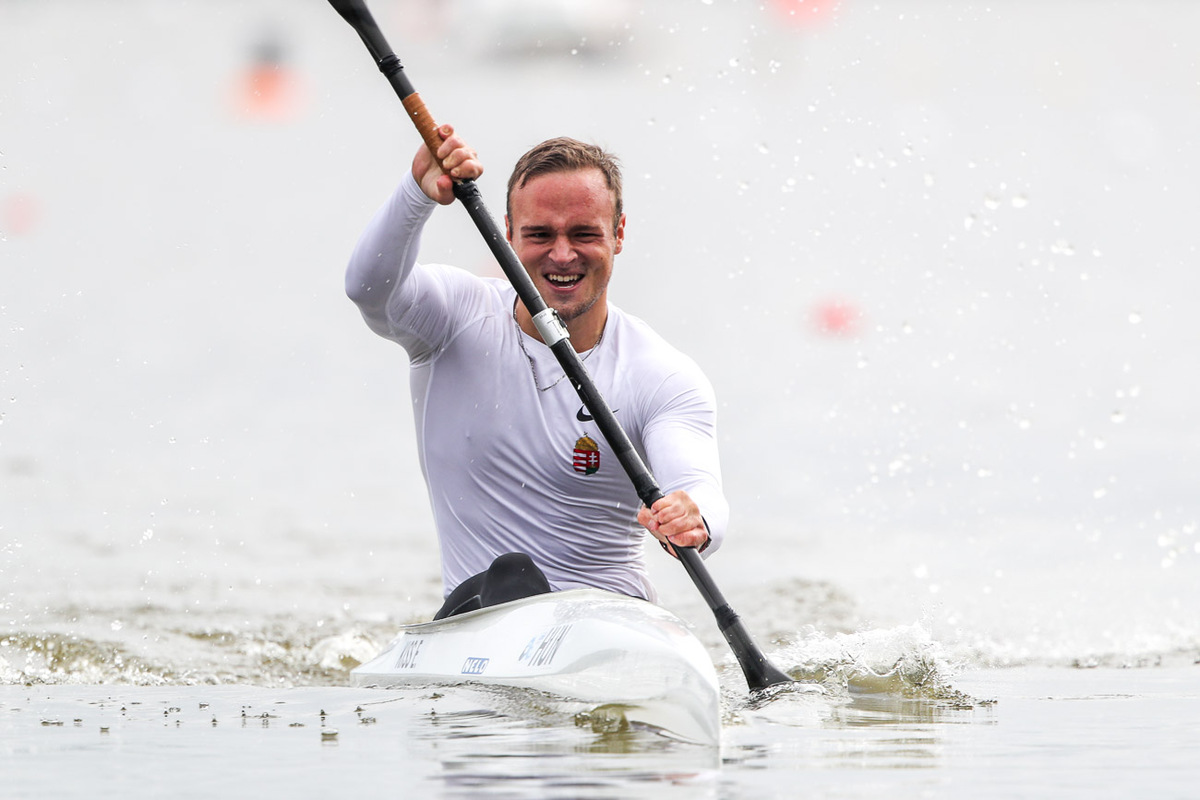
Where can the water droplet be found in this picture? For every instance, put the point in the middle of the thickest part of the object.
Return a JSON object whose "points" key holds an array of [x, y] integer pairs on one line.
{"points": [[1118, 417], [1134, 318], [117, 625], [1020, 201]]}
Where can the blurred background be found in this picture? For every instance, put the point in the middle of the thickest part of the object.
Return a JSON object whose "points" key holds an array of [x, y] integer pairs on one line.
{"points": [[936, 258]]}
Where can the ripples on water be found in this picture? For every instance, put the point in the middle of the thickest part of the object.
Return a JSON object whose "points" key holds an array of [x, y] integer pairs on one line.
{"points": [[902, 664], [190, 692]]}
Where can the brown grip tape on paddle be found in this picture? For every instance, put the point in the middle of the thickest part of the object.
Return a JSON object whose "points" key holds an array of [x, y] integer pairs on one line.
{"points": [[424, 122]]}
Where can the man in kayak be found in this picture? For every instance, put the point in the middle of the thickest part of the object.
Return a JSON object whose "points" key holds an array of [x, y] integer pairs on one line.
{"points": [[526, 495]]}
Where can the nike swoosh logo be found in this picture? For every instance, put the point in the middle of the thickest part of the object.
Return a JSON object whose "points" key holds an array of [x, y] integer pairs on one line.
{"points": [[583, 416]]}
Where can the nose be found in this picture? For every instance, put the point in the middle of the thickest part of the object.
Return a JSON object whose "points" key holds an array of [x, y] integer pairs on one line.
{"points": [[562, 252]]}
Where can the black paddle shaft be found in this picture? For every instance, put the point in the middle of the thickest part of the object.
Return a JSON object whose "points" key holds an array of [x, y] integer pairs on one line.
{"points": [[760, 673]]}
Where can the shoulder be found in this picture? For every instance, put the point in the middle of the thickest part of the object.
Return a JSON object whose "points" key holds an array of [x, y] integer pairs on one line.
{"points": [[641, 344], [462, 282], [439, 302], [650, 360]]}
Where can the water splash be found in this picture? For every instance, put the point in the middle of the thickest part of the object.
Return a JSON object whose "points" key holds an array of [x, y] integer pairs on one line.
{"points": [[903, 662], [214, 656]]}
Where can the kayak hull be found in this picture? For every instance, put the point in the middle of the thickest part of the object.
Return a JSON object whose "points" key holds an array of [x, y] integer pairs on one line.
{"points": [[586, 646]]}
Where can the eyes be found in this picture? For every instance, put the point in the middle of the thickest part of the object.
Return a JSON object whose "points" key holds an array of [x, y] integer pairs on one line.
{"points": [[543, 236]]}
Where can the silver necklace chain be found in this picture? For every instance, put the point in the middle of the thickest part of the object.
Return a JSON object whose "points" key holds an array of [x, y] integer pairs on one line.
{"points": [[533, 368]]}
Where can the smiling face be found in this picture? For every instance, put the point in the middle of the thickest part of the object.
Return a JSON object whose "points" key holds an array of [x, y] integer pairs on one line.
{"points": [[561, 227]]}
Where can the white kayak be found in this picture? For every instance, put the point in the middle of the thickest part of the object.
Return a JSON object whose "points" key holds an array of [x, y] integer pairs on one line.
{"points": [[585, 646]]}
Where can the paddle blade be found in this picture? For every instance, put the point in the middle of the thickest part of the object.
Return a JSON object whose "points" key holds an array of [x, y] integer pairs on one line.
{"points": [[760, 673], [359, 16], [351, 10]]}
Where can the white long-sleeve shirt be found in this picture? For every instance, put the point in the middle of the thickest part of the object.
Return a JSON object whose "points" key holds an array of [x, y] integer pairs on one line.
{"points": [[512, 461]]}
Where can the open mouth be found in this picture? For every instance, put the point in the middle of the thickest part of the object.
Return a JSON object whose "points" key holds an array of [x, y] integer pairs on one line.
{"points": [[564, 280]]}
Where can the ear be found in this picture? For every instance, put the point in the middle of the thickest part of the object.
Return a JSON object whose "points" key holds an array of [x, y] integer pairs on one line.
{"points": [[507, 229], [620, 235]]}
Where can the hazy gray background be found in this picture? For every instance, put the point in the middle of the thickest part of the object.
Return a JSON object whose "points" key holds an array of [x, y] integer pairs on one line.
{"points": [[937, 257]]}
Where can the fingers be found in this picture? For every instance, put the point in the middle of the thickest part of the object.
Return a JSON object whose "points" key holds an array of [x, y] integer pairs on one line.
{"points": [[675, 519], [457, 159], [676, 512], [454, 160]]}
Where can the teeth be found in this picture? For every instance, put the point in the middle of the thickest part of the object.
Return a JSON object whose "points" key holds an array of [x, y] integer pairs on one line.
{"points": [[562, 278]]}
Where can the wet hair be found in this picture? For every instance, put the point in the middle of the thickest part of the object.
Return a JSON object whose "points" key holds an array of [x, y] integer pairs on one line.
{"points": [[563, 154]]}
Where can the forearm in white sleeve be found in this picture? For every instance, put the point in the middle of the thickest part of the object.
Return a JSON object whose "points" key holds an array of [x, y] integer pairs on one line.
{"points": [[682, 451], [387, 251]]}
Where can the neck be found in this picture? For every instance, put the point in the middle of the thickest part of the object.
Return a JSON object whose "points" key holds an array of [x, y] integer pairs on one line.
{"points": [[585, 330]]}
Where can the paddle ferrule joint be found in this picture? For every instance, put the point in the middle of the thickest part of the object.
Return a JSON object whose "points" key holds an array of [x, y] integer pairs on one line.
{"points": [[726, 617], [389, 64], [551, 327], [393, 70]]}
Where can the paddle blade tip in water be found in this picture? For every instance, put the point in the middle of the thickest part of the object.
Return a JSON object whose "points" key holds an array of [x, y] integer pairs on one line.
{"points": [[762, 674]]}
